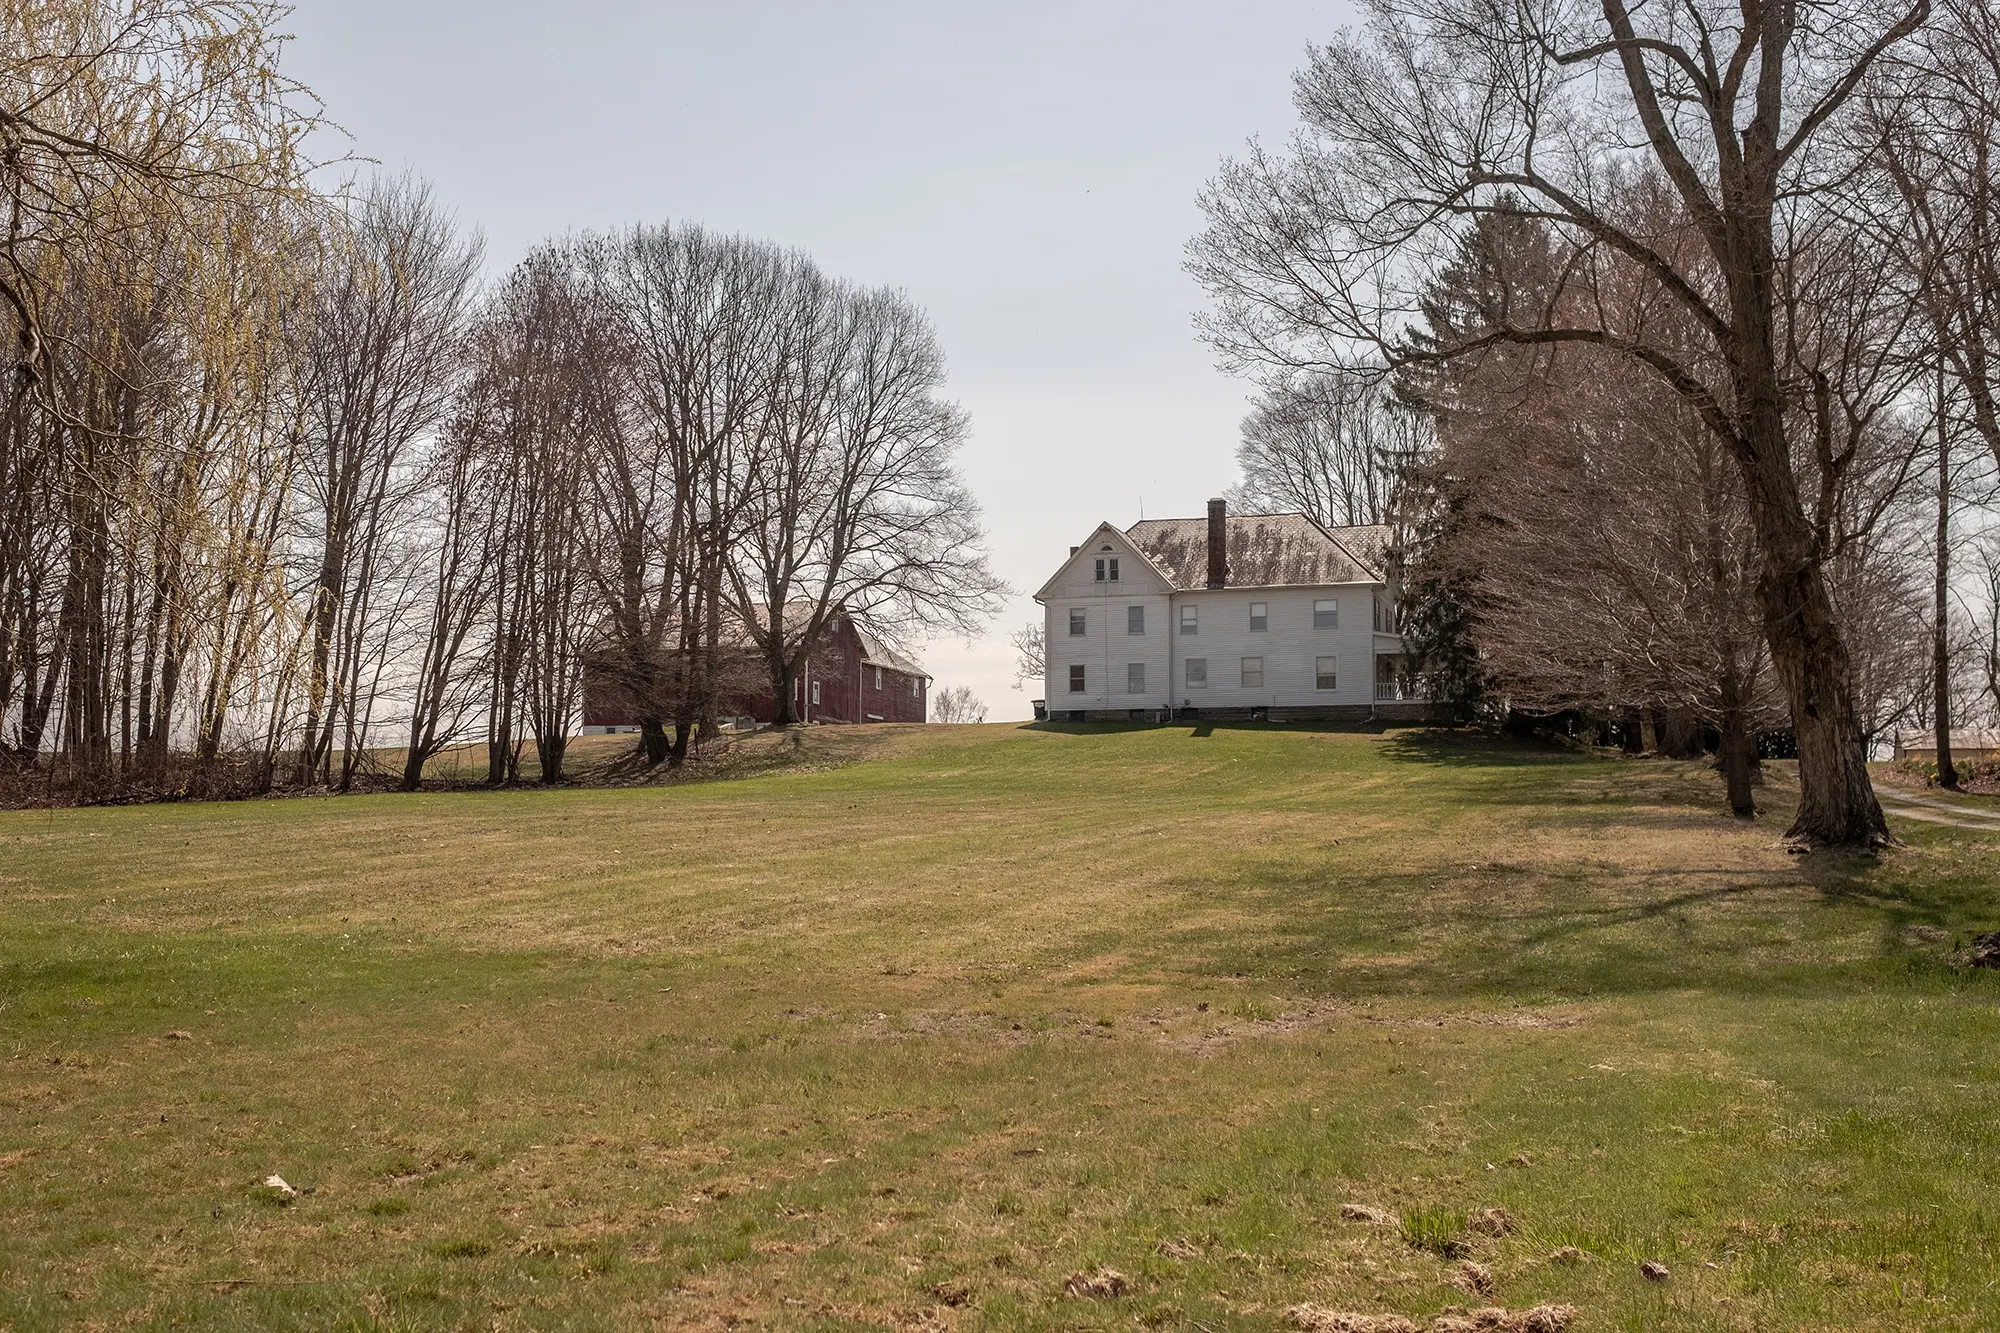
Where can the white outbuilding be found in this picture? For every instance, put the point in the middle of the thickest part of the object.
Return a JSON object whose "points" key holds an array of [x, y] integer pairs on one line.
{"points": [[1252, 615]]}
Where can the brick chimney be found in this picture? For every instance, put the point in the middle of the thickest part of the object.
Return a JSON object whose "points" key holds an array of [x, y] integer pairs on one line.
{"points": [[1218, 543]]}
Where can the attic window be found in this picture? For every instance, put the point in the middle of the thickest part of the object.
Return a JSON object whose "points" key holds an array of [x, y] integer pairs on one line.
{"points": [[878, 678], [1104, 548]]}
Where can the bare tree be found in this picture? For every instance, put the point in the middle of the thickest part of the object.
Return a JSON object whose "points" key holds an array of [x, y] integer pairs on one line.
{"points": [[1941, 709], [1031, 655], [1552, 109], [701, 309], [856, 505], [957, 704], [381, 369], [1329, 444], [444, 693], [1930, 140], [1986, 628], [540, 409]]}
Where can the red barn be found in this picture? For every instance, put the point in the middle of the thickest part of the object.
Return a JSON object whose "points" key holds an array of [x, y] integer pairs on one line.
{"points": [[852, 676]]}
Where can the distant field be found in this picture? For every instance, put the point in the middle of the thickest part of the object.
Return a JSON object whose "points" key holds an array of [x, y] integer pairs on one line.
{"points": [[925, 1021]]}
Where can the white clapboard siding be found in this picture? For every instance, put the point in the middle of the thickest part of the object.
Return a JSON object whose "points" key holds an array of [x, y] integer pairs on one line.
{"points": [[1106, 648], [1289, 644]]}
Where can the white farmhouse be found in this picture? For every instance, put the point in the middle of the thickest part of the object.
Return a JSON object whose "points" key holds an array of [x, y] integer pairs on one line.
{"points": [[1254, 615]]}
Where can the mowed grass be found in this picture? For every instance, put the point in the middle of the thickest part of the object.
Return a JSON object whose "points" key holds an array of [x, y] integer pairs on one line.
{"points": [[909, 1041]]}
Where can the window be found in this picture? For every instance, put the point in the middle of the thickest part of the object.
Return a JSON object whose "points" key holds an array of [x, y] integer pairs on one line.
{"points": [[1323, 674], [1135, 678], [878, 678], [1253, 673], [1260, 617], [916, 687], [815, 692], [1100, 571], [1326, 613], [1114, 569], [1190, 619], [1076, 680], [1135, 620], [1076, 622], [1197, 673], [1107, 566], [1385, 614]]}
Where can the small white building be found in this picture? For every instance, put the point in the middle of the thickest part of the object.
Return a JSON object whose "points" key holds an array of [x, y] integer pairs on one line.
{"points": [[1966, 743], [1271, 615]]}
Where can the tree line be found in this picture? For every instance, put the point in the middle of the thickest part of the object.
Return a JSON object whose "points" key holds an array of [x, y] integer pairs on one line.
{"points": [[284, 483], [1665, 336]]}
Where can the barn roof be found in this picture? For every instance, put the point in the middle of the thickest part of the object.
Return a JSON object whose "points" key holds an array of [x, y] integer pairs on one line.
{"points": [[1265, 550], [877, 652]]}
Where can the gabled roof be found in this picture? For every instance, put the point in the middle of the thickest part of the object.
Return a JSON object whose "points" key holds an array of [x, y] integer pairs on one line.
{"points": [[1265, 551], [1091, 546], [875, 651]]}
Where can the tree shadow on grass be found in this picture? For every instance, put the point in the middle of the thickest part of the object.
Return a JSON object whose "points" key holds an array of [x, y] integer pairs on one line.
{"points": [[1471, 747], [1829, 924], [1957, 905]]}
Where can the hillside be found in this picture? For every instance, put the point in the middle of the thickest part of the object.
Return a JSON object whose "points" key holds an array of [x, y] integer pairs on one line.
{"points": [[911, 1040]]}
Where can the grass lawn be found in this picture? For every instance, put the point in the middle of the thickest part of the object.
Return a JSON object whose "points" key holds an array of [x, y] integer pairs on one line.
{"points": [[909, 1041]]}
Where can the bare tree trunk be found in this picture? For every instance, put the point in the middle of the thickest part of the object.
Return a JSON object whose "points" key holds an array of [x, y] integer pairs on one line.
{"points": [[1738, 756], [1947, 772], [1837, 804], [653, 742], [1631, 733]]}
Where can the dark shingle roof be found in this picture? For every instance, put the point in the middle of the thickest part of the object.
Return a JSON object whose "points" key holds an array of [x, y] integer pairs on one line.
{"points": [[1265, 550]]}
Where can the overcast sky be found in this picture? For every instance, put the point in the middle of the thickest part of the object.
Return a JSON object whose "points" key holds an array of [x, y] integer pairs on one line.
{"points": [[1025, 170]]}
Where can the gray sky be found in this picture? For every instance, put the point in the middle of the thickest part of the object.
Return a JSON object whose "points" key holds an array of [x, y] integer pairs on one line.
{"points": [[1025, 170]]}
